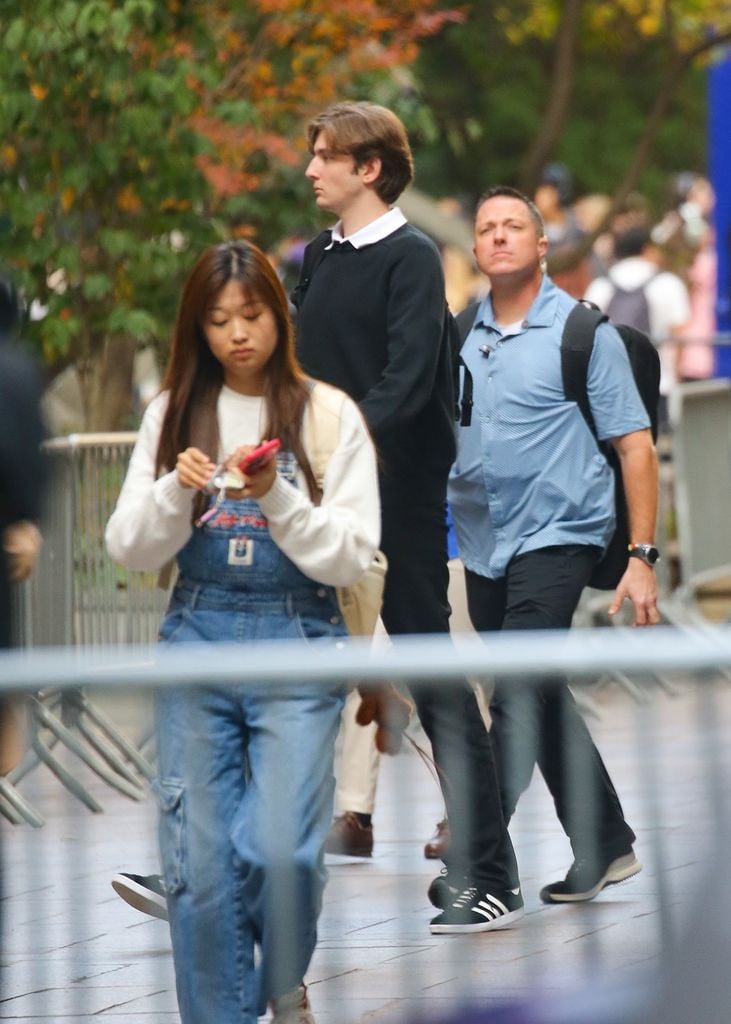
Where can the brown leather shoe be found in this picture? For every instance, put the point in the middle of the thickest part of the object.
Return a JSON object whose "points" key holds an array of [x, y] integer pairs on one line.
{"points": [[292, 1008], [439, 842], [348, 837]]}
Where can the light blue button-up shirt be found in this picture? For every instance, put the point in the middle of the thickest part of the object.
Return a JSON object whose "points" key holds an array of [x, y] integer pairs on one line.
{"points": [[529, 473]]}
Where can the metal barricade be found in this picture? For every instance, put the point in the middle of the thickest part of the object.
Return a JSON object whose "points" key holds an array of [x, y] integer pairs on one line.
{"points": [[654, 949], [701, 420], [78, 597]]}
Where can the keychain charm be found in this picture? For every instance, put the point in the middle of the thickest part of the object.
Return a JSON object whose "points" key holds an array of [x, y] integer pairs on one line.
{"points": [[212, 509], [220, 482]]}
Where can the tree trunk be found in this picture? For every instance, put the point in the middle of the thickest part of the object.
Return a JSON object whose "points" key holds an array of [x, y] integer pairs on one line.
{"points": [[643, 149], [111, 385], [559, 97]]}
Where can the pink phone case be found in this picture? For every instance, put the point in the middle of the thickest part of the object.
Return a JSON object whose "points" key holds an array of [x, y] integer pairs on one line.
{"points": [[259, 456]]}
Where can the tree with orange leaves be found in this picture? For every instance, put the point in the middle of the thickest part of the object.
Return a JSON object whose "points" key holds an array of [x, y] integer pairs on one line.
{"points": [[137, 131]]}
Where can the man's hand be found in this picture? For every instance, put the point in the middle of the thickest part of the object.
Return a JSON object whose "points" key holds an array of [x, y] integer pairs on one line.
{"points": [[22, 543], [640, 586], [385, 706]]}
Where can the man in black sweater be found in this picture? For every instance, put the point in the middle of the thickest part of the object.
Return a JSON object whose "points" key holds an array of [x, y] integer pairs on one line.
{"points": [[372, 320]]}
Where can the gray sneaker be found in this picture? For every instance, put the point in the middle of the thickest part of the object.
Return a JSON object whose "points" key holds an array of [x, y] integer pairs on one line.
{"points": [[585, 879]]}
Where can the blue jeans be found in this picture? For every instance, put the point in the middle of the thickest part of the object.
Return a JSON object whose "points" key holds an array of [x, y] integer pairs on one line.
{"points": [[245, 791]]}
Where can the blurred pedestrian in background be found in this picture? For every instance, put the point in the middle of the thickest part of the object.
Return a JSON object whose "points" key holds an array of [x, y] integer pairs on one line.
{"points": [[22, 480], [638, 291]]}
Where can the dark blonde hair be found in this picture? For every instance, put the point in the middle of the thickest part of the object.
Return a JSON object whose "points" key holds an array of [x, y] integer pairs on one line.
{"points": [[194, 376], [364, 131]]}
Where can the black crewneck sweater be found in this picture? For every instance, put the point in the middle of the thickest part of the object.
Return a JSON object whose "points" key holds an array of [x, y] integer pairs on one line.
{"points": [[371, 321]]}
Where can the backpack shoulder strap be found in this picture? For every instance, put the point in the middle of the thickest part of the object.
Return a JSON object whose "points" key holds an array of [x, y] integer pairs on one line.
{"points": [[464, 322], [577, 342], [314, 254], [321, 426]]}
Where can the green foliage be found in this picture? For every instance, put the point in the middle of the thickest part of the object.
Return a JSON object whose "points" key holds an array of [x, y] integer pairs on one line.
{"points": [[134, 132], [100, 187], [473, 128]]}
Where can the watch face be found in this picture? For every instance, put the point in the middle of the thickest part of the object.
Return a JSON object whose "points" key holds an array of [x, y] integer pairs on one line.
{"points": [[647, 552]]}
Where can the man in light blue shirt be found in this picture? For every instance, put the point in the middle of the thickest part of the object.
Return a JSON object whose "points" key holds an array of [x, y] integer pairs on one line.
{"points": [[532, 498]]}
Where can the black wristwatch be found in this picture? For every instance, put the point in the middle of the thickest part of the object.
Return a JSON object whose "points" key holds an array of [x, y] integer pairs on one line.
{"points": [[647, 552]]}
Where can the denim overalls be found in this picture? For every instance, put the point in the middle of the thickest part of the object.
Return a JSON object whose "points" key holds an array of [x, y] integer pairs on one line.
{"points": [[245, 776]]}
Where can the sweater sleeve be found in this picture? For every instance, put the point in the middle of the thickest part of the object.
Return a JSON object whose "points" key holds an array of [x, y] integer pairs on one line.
{"points": [[333, 542], [152, 519], [22, 466], [415, 321]]}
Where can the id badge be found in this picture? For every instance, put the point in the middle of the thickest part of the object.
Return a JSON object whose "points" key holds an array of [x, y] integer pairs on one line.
{"points": [[241, 551]]}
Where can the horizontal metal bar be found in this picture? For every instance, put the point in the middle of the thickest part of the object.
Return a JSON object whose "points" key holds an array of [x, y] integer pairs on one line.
{"points": [[578, 652], [72, 442]]}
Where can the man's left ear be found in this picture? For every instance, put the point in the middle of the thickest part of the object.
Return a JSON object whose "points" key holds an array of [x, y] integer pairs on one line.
{"points": [[542, 250], [370, 170]]}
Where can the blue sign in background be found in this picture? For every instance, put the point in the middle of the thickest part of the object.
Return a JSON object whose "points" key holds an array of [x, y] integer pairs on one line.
{"points": [[719, 136]]}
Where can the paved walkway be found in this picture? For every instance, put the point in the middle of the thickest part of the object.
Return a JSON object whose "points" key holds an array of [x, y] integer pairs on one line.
{"points": [[73, 951]]}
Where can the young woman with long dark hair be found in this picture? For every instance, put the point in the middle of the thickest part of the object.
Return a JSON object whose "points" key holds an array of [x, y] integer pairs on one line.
{"points": [[245, 773]]}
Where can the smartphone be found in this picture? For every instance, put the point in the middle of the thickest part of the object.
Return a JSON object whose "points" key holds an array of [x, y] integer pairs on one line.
{"points": [[259, 457]]}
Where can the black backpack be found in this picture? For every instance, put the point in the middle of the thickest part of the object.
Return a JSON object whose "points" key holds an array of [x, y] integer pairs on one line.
{"points": [[577, 343]]}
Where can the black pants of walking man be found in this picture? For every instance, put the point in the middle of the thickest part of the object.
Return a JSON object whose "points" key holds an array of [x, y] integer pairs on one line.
{"points": [[542, 725], [415, 601]]}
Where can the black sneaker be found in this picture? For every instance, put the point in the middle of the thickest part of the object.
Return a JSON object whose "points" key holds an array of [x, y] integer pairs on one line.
{"points": [[478, 911], [143, 892], [586, 879], [442, 891]]}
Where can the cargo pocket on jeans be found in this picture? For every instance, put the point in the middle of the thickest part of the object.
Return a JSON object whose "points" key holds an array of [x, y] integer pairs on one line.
{"points": [[172, 823]]}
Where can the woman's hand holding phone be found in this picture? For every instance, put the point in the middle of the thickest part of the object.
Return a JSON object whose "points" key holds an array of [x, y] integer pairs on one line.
{"points": [[258, 466], [256, 458]]}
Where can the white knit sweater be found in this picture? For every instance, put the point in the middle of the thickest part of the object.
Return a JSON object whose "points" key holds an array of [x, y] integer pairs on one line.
{"points": [[332, 543]]}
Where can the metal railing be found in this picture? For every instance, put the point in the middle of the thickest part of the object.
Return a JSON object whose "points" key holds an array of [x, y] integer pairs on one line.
{"points": [[667, 755], [77, 595], [91, 630]]}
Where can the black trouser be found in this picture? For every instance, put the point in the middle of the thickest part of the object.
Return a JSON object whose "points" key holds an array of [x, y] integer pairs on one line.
{"points": [[542, 725], [415, 601]]}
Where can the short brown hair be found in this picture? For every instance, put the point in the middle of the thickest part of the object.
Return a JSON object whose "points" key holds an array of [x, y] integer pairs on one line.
{"points": [[363, 131], [513, 193]]}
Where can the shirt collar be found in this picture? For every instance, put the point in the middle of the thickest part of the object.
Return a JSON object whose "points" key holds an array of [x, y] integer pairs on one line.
{"points": [[542, 313], [378, 229]]}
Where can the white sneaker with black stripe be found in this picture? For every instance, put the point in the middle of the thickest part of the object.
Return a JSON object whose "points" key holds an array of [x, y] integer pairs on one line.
{"points": [[477, 911]]}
